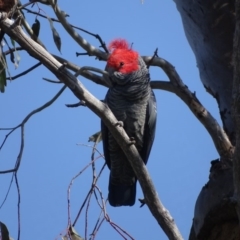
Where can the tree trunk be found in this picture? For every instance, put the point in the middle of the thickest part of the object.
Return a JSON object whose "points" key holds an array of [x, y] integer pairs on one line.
{"points": [[209, 28]]}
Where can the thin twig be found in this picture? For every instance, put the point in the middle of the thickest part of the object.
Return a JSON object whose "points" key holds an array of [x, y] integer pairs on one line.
{"points": [[68, 195], [154, 55], [81, 103], [98, 222], [18, 206], [87, 74], [102, 43], [114, 225], [24, 72], [51, 81], [122, 230], [5, 139], [80, 210], [4, 200], [86, 212], [22, 129], [82, 54], [104, 73], [11, 50], [89, 194], [93, 185]]}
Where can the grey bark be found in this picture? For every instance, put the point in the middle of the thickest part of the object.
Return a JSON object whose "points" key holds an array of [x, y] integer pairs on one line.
{"points": [[236, 108], [209, 27]]}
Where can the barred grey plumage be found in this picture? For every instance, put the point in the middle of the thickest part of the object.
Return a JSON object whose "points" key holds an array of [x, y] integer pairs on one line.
{"points": [[132, 101]]}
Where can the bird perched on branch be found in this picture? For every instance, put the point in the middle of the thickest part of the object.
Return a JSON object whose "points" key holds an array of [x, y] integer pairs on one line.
{"points": [[132, 101]]}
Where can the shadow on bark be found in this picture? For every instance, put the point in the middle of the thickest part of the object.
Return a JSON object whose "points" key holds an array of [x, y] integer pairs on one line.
{"points": [[209, 27], [215, 215]]}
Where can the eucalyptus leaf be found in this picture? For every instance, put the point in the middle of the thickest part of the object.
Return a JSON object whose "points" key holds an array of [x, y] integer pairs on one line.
{"points": [[96, 137], [56, 36], [36, 27], [75, 235]]}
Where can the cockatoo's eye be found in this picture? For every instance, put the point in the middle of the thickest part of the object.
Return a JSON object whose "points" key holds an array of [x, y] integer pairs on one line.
{"points": [[121, 64]]}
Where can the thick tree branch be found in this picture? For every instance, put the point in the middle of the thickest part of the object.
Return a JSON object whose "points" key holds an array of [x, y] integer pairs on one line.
{"points": [[150, 195], [219, 137]]}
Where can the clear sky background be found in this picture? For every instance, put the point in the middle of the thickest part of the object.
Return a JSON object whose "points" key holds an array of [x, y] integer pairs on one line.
{"points": [[180, 159]]}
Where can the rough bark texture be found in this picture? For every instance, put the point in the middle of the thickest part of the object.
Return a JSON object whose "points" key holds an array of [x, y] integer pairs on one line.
{"points": [[236, 107], [209, 27], [215, 215]]}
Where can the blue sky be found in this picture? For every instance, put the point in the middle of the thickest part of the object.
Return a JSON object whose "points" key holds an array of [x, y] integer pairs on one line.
{"points": [[55, 138]]}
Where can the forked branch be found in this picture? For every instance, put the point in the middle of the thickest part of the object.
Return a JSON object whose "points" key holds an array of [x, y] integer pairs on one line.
{"points": [[176, 85]]}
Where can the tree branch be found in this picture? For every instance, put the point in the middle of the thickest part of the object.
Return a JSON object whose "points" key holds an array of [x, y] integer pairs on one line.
{"points": [[103, 45], [219, 137], [162, 216], [87, 74], [76, 68], [81, 41], [24, 72]]}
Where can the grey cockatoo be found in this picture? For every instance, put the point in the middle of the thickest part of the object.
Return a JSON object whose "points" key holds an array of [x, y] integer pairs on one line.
{"points": [[132, 101]]}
